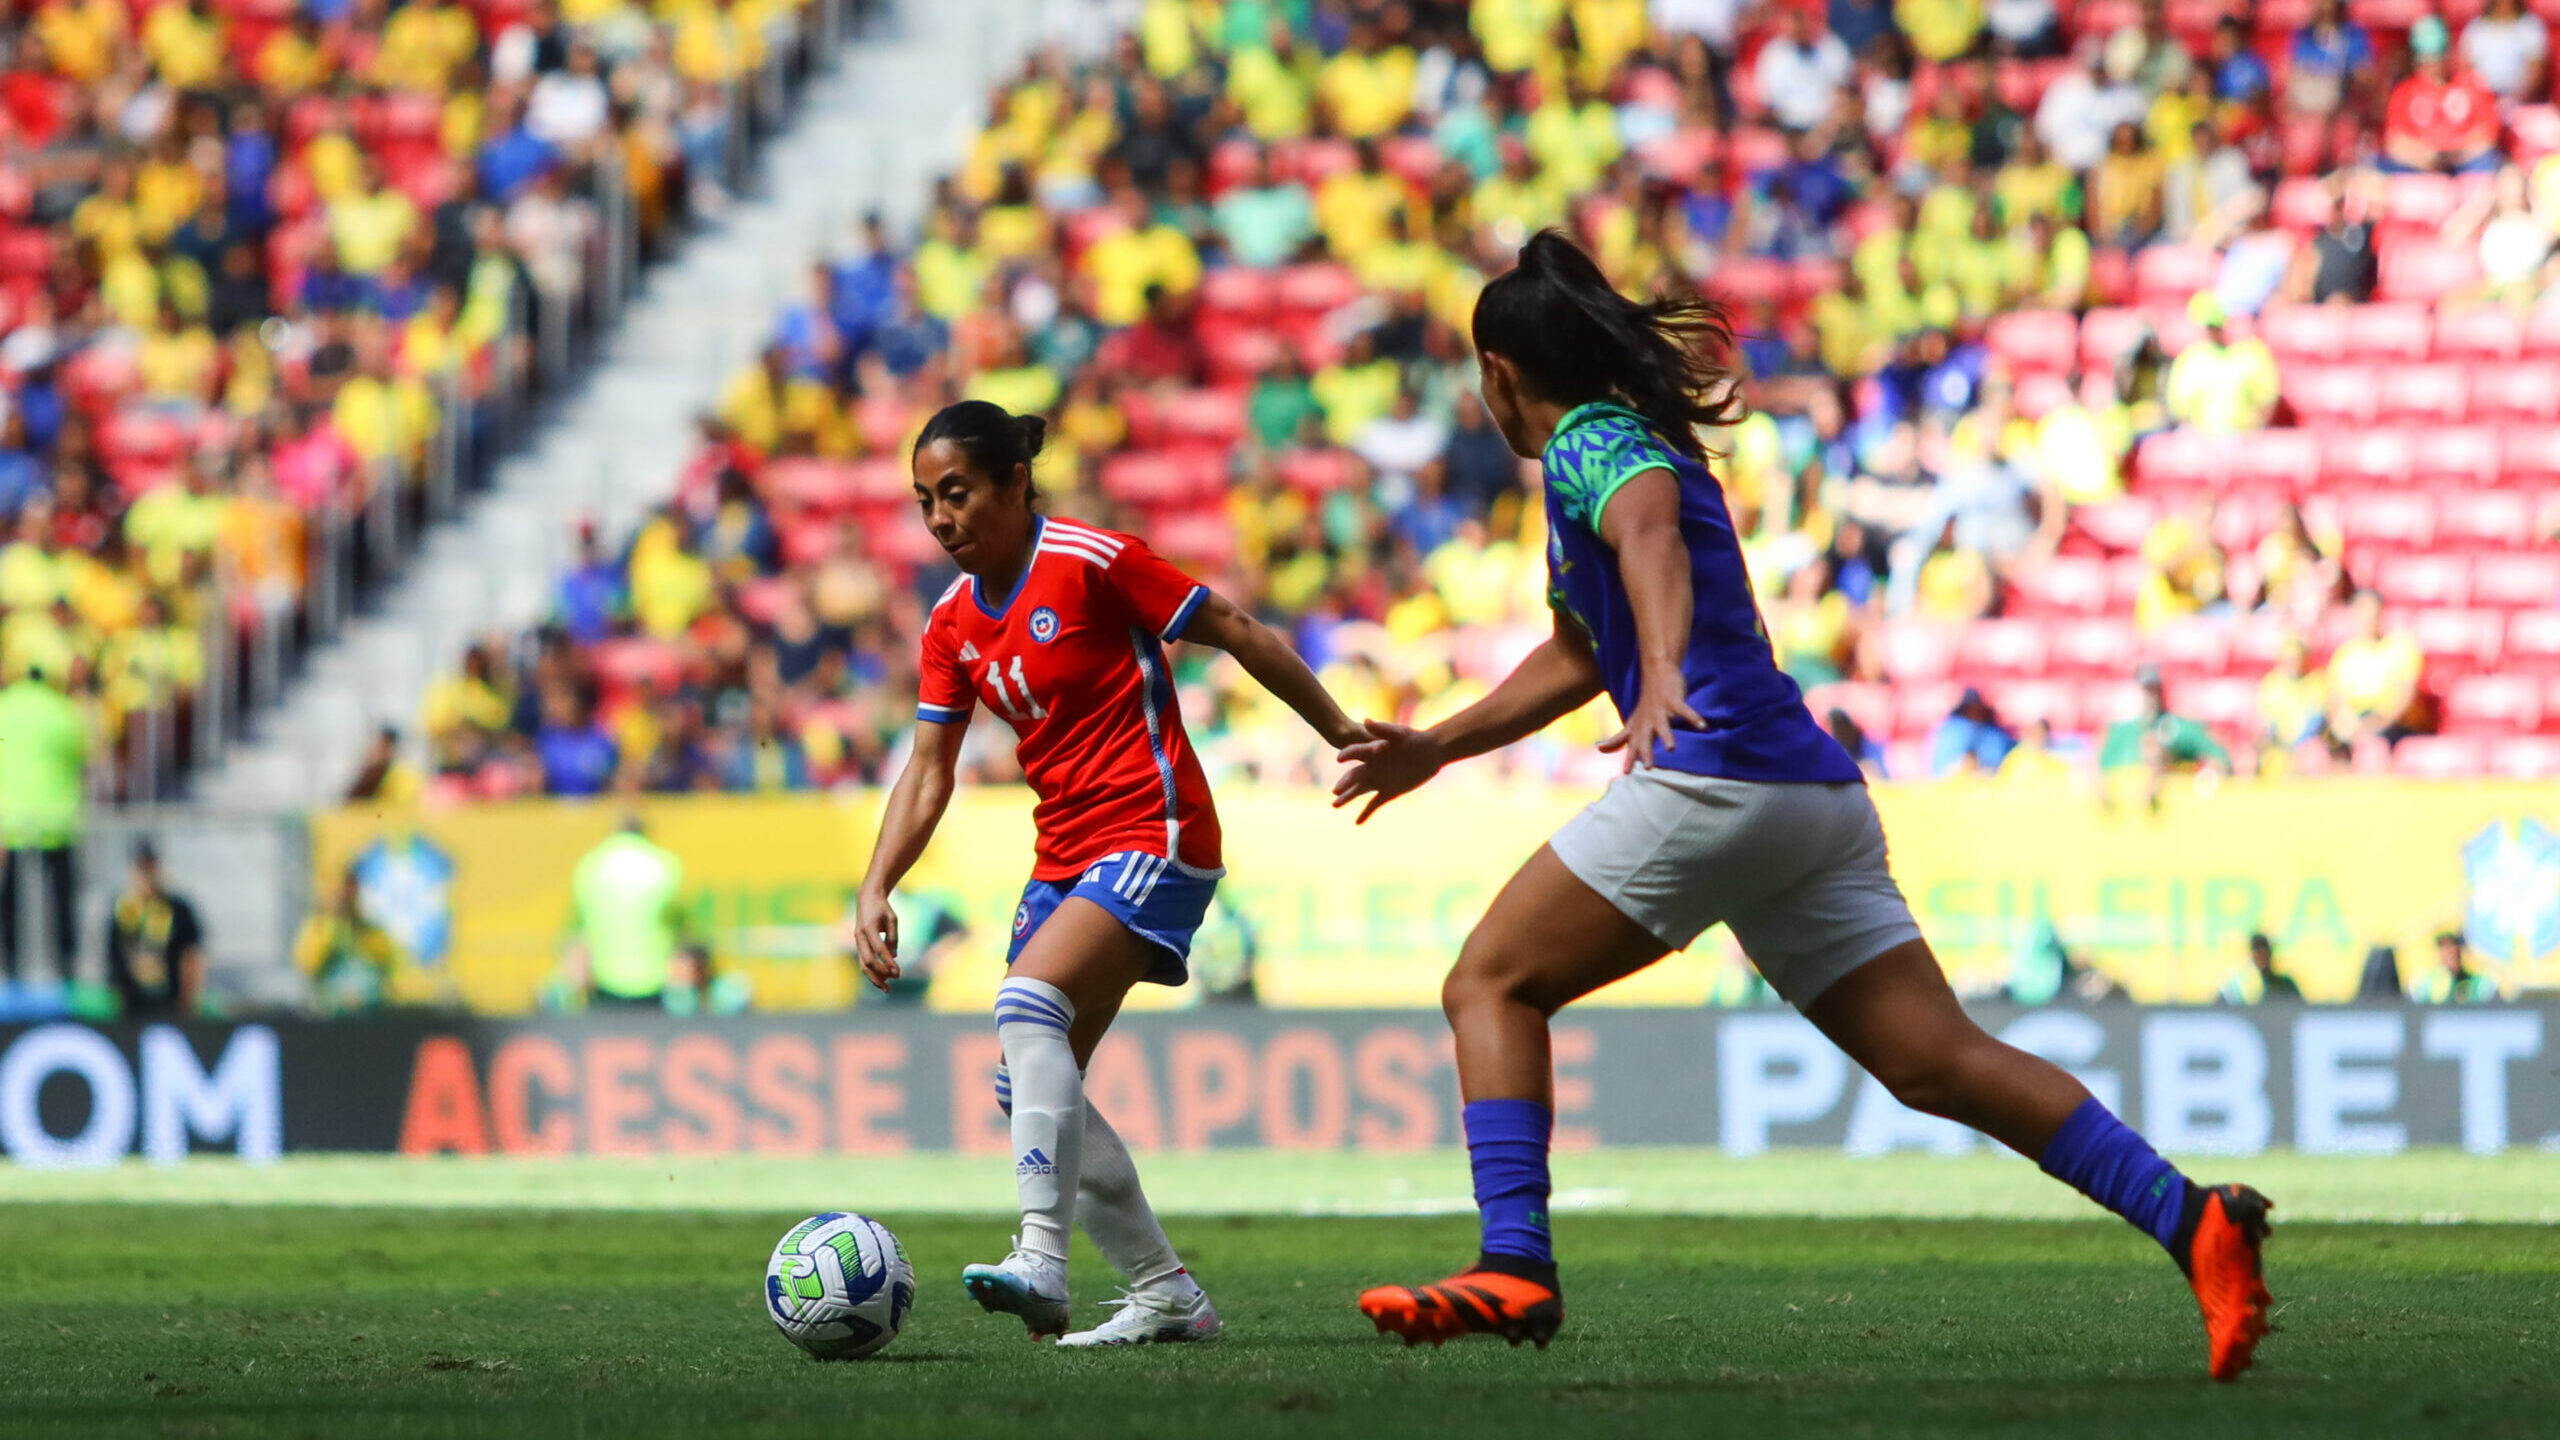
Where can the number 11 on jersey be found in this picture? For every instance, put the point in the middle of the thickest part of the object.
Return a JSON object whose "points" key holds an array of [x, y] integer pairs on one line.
{"points": [[1001, 695]]}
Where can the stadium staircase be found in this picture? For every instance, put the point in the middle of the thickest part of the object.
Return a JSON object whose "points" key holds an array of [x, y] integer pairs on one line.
{"points": [[869, 135]]}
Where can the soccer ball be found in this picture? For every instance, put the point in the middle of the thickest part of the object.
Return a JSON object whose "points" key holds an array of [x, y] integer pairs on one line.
{"points": [[838, 1286]]}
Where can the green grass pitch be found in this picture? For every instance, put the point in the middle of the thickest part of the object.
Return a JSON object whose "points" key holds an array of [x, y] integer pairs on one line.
{"points": [[362, 1318]]}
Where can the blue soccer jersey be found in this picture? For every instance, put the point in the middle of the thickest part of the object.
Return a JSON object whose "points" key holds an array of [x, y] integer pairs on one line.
{"points": [[1757, 724]]}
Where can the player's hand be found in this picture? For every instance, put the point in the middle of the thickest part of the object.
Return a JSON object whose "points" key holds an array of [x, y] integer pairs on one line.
{"points": [[1393, 760], [1661, 713], [874, 941]]}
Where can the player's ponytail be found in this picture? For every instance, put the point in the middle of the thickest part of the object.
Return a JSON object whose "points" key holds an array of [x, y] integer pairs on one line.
{"points": [[1576, 340], [994, 439]]}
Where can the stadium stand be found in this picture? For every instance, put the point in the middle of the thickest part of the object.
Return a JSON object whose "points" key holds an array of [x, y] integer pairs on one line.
{"points": [[2121, 361], [276, 281]]}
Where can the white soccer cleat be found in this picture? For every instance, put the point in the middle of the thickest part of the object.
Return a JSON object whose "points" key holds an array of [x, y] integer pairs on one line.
{"points": [[1154, 1316], [1031, 1286]]}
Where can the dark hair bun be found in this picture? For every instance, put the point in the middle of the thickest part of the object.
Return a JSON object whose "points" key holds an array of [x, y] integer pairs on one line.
{"points": [[996, 441]]}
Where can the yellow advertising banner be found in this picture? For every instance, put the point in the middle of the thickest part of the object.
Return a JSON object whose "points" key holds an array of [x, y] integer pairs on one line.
{"points": [[2163, 902]]}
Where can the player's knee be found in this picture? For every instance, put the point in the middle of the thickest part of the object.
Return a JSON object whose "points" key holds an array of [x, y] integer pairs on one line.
{"points": [[1493, 975], [1933, 1079]]}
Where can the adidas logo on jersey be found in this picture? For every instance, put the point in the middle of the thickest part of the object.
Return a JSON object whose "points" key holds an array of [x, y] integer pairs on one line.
{"points": [[1035, 1163]]}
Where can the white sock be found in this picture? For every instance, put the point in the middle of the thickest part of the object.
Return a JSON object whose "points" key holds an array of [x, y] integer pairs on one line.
{"points": [[1114, 1209], [1048, 1110]]}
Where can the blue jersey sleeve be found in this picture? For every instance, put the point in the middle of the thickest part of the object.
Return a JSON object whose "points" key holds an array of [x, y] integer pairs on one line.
{"points": [[1589, 462]]}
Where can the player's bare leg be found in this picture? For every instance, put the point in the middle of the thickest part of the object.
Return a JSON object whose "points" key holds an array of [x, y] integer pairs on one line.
{"points": [[1547, 940], [1896, 1016]]}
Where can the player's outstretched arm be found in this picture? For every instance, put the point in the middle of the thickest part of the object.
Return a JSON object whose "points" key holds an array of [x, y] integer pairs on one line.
{"points": [[915, 807], [1551, 682], [1275, 665], [1642, 524]]}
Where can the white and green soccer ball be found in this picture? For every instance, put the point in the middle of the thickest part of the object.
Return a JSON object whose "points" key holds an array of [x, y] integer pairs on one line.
{"points": [[839, 1285]]}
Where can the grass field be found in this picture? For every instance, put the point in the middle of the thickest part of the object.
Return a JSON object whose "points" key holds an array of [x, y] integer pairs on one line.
{"points": [[363, 1318]]}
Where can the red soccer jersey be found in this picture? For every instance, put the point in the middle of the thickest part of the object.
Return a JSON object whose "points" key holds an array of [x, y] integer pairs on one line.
{"points": [[1074, 662]]}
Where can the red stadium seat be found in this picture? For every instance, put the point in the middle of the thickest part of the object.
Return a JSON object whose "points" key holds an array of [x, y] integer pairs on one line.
{"points": [[2479, 519], [1916, 650], [2197, 645], [2055, 702], [1870, 705], [1231, 165], [2301, 204], [2528, 580], [2456, 455], [2001, 647], [2105, 647], [2065, 584], [2297, 333], [1412, 156], [2423, 580], [2038, 393], [2524, 757], [2107, 334], [2529, 454], [2458, 641], [2419, 204], [2389, 332], [2426, 270], [2533, 641], [2396, 519], [1749, 281], [2034, 339], [1680, 157], [2536, 128], [2492, 704], [2483, 332], [808, 484], [1317, 288], [2284, 459], [2437, 392], [1240, 291], [2368, 457], [2170, 274], [2439, 757], [1318, 471], [631, 662], [2117, 525], [2516, 389], [1238, 351], [1201, 538], [1213, 417], [2332, 395], [2227, 704], [1919, 706], [1161, 477], [2181, 460]]}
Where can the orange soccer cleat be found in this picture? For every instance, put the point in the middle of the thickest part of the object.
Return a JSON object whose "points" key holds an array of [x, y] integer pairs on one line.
{"points": [[1476, 1302], [2220, 1246]]}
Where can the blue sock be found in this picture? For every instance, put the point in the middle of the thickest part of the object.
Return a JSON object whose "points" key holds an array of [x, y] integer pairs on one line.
{"points": [[1507, 1147], [2099, 1155]]}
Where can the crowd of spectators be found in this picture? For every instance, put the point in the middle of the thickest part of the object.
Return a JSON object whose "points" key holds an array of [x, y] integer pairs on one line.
{"points": [[260, 261], [2069, 450]]}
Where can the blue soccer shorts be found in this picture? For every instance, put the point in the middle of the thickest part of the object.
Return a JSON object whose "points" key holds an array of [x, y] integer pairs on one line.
{"points": [[1160, 902]]}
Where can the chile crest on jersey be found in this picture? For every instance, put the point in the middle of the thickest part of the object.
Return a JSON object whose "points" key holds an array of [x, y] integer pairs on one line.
{"points": [[1044, 625]]}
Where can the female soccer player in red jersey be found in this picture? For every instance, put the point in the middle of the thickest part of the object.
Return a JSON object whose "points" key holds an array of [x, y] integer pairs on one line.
{"points": [[1735, 808], [1060, 628]]}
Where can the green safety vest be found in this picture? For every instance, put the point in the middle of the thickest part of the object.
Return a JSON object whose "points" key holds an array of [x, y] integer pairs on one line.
{"points": [[625, 894]]}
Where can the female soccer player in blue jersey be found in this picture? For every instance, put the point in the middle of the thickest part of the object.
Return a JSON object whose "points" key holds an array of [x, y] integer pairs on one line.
{"points": [[1735, 807]]}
